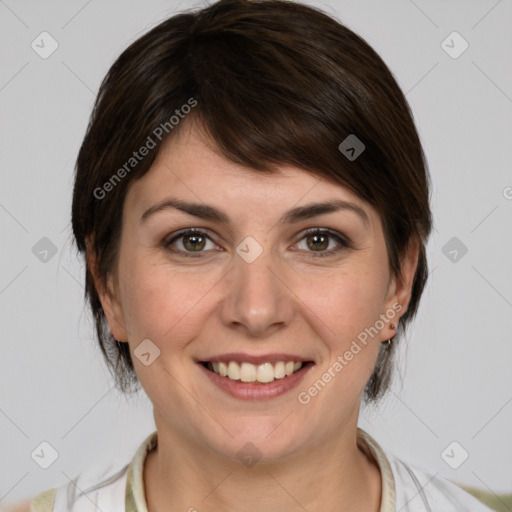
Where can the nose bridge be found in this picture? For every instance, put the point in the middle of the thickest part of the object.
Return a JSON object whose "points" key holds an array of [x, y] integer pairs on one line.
{"points": [[257, 297]]}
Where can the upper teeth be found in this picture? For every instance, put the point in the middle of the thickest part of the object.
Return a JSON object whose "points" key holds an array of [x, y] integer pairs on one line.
{"points": [[247, 372]]}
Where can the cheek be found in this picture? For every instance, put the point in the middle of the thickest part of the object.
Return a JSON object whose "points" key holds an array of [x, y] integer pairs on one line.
{"points": [[347, 300], [160, 303], [345, 310]]}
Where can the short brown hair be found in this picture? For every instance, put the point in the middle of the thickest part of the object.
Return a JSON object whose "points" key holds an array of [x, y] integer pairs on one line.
{"points": [[275, 82]]}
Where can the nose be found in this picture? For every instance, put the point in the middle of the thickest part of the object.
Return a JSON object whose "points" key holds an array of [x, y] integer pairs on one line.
{"points": [[257, 300]]}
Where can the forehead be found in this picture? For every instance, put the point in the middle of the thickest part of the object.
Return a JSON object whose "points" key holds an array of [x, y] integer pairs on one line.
{"points": [[190, 167]]}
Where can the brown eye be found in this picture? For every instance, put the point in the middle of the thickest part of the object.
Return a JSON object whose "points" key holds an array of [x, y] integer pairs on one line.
{"points": [[194, 242], [318, 240], [188, 242]]}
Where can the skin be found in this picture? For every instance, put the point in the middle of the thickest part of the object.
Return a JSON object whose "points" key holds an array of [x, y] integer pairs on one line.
{"points": [[288, 300]]}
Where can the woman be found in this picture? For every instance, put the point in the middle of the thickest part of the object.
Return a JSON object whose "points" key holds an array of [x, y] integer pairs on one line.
{"points": [[252, 202]]}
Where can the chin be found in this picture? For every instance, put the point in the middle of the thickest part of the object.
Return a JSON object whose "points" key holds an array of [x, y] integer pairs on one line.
{"points": [[256, 439]]}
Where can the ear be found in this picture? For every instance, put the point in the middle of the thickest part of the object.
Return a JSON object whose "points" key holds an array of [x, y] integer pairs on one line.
{"points": [[400, 288], [109, 297]]}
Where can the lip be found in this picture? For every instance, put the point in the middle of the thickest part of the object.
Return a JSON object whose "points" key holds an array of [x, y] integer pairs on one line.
{"points": [[255, 390], [240, 357]]}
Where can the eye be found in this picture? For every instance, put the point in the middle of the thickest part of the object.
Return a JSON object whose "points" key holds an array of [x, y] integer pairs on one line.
{"points": [[318, 240], [191, 241]]}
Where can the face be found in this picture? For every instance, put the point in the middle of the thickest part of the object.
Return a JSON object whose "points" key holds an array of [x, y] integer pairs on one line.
{"points": [[262, 281]]}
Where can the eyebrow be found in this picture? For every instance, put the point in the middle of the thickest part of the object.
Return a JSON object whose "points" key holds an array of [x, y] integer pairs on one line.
{"points": [[297, 214]]}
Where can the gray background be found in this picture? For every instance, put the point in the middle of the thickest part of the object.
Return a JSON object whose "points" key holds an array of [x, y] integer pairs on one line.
{"points": [[454, 381]]}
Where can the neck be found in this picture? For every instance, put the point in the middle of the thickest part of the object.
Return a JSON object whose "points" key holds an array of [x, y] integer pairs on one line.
{"points": [[179, 475]]}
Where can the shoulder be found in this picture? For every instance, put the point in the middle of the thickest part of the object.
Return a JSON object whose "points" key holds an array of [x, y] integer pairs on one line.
{"points": [[100, 487], [43, 502], [22, 506], [111, 486], [417, 489]]}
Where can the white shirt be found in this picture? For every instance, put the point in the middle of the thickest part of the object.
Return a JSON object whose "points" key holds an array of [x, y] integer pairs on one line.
{"points": [[118, 487]]}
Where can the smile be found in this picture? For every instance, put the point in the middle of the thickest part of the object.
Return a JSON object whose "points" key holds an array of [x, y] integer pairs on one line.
{"points": [[248, 372], [260, 379]]}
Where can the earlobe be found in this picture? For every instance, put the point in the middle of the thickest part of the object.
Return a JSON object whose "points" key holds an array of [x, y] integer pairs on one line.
{"points": [[408, 266], [113, 311], [107, 294], [399, 298]]}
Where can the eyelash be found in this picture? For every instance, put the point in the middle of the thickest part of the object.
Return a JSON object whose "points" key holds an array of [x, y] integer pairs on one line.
{"points": [[344, 243]]}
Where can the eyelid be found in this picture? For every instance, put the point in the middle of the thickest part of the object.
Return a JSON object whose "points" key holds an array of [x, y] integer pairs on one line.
{"points": [[343, 241], [181, 233], [326, 231]]}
